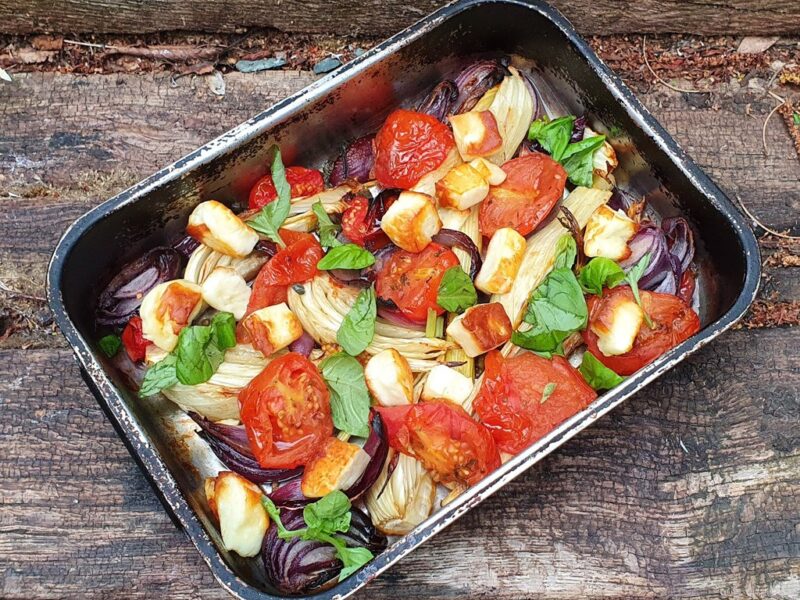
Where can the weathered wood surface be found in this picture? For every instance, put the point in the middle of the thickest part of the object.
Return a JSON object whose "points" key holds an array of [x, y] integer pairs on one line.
{"points": [[380, 17], [689, 490]]}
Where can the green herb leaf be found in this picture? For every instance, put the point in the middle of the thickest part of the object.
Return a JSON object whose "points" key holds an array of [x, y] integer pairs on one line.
{"points": [[327, 228], [796, 119], [346, 256], [352, 559], [597, 375], [224, 328], [633, 276], [344, 377], [578, 160], [160, 376], [330, 514], [566, 252], [358, 327], [109, 344], [272, 216], [456, 291], [552, 135], [547, 392], [598, 273]]}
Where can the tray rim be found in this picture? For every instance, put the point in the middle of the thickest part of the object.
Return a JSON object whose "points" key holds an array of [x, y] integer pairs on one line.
{"points": [[149, 460]]}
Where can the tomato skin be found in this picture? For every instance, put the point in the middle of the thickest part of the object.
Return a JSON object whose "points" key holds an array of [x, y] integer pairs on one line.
{"points": [[286, 412], [133, 340], [686, 286], [354, 220], [302, 181], [533, 186], [411, 280], [445, 439], [674, 321], [408, 146], [510, 405]]}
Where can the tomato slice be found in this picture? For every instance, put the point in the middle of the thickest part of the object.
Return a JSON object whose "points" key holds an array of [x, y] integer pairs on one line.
{"points": [[444, 438], [133, 340], [673, 322], [533, 186], [286, 412], [408, 146], [411, 280], [512, 402], [302, 181], [354, 220]]}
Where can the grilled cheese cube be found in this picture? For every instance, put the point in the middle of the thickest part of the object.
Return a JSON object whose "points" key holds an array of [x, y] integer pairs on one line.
{"points": [[481, 328], [476, 134], [236, 503], [604, 159], [607, 234], [411, 221], [337, 467], [214, 224], [493, 174], [462, 188], [447, 384], [617, 326], [502, 262], [272, 328], [168, 308], [226, 290], [389, 378]]}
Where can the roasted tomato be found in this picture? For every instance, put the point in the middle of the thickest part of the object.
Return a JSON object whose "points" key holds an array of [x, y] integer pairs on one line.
{"points": [[286, 412], [355, 222], [673, 322], [302, 181], [516, 404], [444, 438], [411, 280], [133, 340], [686, 287], [534, 184], [408, 146]]}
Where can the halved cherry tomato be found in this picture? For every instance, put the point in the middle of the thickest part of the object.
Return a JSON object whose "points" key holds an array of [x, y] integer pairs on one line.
{"points": [[355, 224], [673, 322], [533, 186], [302, 181], [411, 280], [408, 146], [444, 438], [512, 402], [286, 412], [133, 340]]}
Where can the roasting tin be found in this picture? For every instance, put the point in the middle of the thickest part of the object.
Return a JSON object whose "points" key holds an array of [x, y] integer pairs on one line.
{"points": [[311, 126]]}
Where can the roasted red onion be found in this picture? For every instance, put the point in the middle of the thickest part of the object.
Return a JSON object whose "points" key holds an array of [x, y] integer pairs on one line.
{"points": [[303, 345], [393, 315], [354, 163], [440, 101], [122, 297], [267, 247], [452, 237], [474, 81], [671, 250], [186, 245], [534, 93], [679, 240], [578, 128], [364, 277]]}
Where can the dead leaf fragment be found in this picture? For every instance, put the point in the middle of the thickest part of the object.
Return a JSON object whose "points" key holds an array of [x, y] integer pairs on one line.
{"points": [[216, 83], [753, 44], [47, 42]]}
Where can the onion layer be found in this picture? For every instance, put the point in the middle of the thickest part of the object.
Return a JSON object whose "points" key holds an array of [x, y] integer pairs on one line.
{"points": [[452, 237]]}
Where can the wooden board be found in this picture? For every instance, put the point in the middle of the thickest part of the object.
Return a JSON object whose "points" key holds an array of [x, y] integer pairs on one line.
{"points": [[381, 17], [688, 490]]}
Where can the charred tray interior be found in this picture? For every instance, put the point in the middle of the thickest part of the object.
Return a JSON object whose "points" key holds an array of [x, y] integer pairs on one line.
{"points": [[311, 128]]}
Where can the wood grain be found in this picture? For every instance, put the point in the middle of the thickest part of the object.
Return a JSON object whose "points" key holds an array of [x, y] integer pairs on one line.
{"points": [[381, 17]]}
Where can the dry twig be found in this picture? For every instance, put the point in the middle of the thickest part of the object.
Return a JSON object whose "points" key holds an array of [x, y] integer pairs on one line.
{"points": [[658, 78]]}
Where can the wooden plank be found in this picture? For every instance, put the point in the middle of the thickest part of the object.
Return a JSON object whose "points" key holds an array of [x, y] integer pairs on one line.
{"points": [[381, 17]]}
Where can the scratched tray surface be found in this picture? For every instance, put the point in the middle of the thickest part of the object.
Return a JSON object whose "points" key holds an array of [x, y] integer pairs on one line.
{"points": [[311, 128]]}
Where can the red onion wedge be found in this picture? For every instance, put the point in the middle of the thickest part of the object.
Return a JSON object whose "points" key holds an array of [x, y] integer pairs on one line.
{"points": [[439, 102], [354, 163], [680, 240], [303, 345], [474, 81], [393, 315], [452, 237], [186, 245]]}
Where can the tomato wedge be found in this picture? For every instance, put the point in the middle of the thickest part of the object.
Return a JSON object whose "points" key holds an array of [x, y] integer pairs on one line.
{"points": [[533, 186], [286, 412], [673, 322], [525, 397], [133, 340], [411, 280], [355, 224], [302, 181]]}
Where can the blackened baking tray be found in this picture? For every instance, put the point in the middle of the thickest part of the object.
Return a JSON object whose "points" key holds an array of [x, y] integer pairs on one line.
{"points": [[310, 127]]}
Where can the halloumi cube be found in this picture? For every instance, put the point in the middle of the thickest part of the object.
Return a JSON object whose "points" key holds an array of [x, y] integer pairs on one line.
{"points": [[607, 233], [272, 328], [462, 188], [503, 259], [445, 383], [236, 503], [617, 326], [389, 378], [168, 308], [226, 290], [214, 224], [493, 174], [481, 328], [338, 466], [411, 221], [604, 159], [476, 134]]}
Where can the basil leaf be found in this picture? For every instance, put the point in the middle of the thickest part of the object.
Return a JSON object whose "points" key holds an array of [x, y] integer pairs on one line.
{"points": [[109, 344], [598, 273], [327, 228], [329, 514], [456, 291], [197, 358], [566, 252], [547, 392], [346, 256], [224, 328], [597, 375], [358, 326], [159, 377], [552, 135], [344, 377], [352, 559], [633, 276], [578, 160], [272, 216]]}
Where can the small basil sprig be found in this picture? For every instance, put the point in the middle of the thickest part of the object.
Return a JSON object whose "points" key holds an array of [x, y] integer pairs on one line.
{"points": [[576, 158], [597, 375], [358, 327], [269, 220], [346, 256], [327, 228], [633, 276], [598, 273], [456, 291], [350, 403], [109, 344]]}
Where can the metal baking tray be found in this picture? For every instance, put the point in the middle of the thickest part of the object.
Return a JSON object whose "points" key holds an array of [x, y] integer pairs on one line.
{"points": [[311, 126]]}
